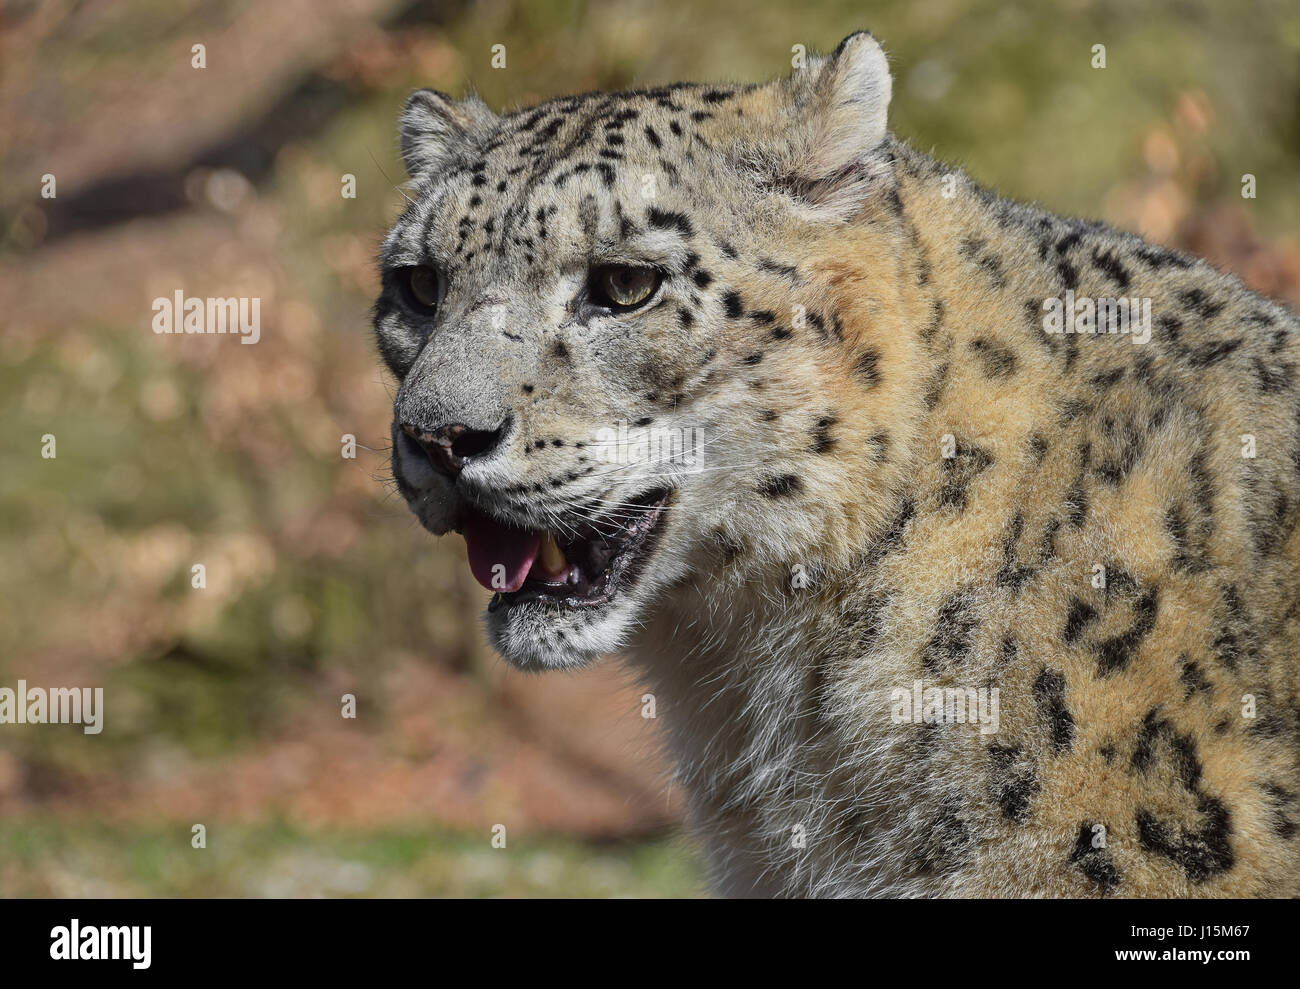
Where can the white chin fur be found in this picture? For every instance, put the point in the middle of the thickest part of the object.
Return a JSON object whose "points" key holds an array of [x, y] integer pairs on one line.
{"points": [[553, 637]]}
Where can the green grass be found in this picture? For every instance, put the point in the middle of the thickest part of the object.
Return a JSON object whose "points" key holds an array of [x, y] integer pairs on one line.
{"points": [[52, 857]]}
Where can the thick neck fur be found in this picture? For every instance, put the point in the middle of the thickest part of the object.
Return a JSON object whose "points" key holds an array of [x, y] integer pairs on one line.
{"points": [[773, 662], [788, 793]]}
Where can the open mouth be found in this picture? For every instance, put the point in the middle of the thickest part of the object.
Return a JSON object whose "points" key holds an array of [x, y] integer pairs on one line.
{"points": [[581, 564]]}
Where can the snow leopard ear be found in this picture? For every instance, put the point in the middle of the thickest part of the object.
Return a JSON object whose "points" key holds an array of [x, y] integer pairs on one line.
{"points": [[839, 104], [434, 129]]}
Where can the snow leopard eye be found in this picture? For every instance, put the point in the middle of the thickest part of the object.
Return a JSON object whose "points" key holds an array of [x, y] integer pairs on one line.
{"points": [[421, 288], [623, 287]]}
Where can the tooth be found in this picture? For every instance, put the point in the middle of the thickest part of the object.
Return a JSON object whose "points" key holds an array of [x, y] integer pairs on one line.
{"points": [[552, 557]]}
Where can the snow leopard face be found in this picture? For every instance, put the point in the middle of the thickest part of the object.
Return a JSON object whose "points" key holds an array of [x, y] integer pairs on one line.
{"points": [[622, 351]]}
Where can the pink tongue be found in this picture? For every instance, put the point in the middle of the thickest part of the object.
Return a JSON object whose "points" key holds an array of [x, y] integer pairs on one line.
{"points": [[500, 558]]}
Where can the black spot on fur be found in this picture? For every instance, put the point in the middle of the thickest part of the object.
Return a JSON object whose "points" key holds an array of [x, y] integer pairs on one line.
{"points": [[931, 327], [1069, 241], [1079, 615], [1211, 353], [784, 270], [866, 620], [1068, 274], [996, 360], [732, 305], [822, 440], [955, 627], [1198, 302], [1120, 444], [1116, 653], [781, 486], [1281, 798], [923, 268], [1193, 678], [1110, 265], [894, 201], [934, 388], [1273, 378], [1074, 408], [1012, 574], [1161, 257], [1007, 651], [1013, 781], [959, 470], [1119, 582], [1076, 503], [1234, 643], [1108, 379], [531, 120], [1272, 522], [1047, 546], [867, 368], [1049, 694], [946, 840], [1095, 863], [891, 538], [972, 248], [1157, 736], [1169, 330], [1038, 448], [1203, 852], [1190, 542]]}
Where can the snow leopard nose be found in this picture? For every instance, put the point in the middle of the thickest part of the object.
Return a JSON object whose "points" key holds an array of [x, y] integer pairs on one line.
{"points": [[452, 448]]}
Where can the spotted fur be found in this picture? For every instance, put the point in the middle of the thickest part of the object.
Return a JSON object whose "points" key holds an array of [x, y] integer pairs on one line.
{"points": [[905, 479]]}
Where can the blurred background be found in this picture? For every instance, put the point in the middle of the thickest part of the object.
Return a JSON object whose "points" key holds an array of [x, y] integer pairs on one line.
{"points": [[223, 705]]}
